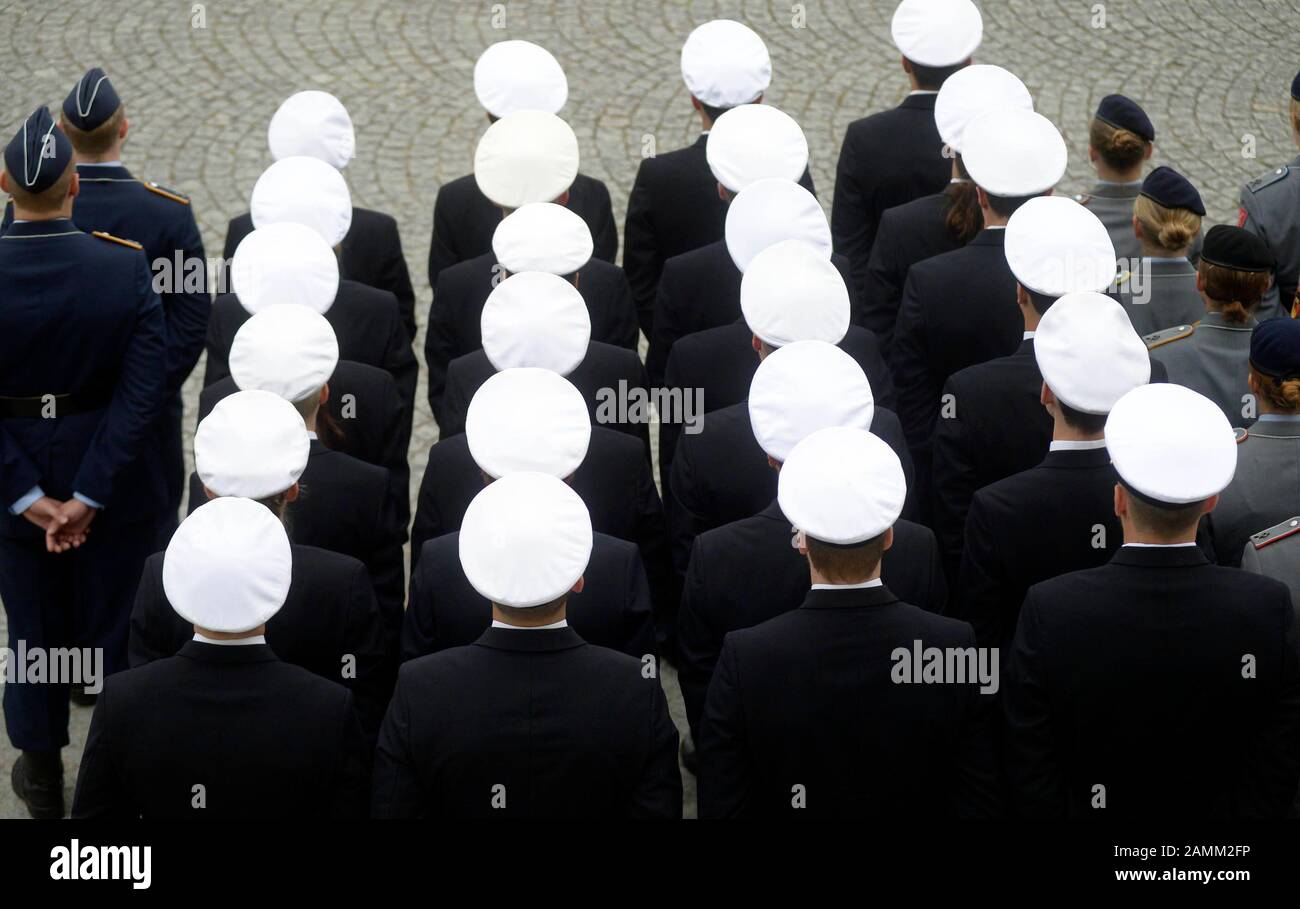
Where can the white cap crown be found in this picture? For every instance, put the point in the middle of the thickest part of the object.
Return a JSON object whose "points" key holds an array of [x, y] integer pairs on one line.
{"points": [[285, 263], [526, 156], [791, 292], [937, 32], [804, 387], [842, 485], [313, 124], [288, 350], [536, 319], [528, 420], [770, 211], [305, 191], [725, 64], [542, 236], [972, 91], [253, 444], [754, 142], [1055, 246], [517, 75], [1013, 152]]}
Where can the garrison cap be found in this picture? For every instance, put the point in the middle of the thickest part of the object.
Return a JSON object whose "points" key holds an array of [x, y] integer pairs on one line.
{"points": [[937, 32], [228, 566], [1166, 186], [92, 101], [1124, 113], [1275, 348], [842, 485], [519, 75], [39, 152], [525, 540], [725, 63], [1236, 248]]}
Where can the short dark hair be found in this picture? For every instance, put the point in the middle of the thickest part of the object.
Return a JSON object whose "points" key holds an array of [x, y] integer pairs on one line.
{"points": [[1041, 302], [845, 564], [98, 140], [1005, 206], [1163, 519], [931, 78], [1088, 423], [46, 201], [549, 610], [713, 113]]}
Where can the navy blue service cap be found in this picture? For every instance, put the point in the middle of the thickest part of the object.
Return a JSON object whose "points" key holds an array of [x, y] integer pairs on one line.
{"points": [[1295, 87], [1124, 113], [1275, 348], [1166, 186], [39, 153], [1236, 248], [92, 101]]}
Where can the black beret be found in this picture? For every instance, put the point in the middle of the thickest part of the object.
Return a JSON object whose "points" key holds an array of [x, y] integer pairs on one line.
{"points": [[1122, 113], [1275, 348], [1236, 248], [39, 152], [92, 101], [1166, 186]]}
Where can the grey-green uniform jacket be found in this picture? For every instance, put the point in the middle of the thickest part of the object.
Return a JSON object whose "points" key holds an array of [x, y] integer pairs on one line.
{"points": [[1275, 553], [1212, 357], [1161, 295], [1264, 490], [1270, 209]]}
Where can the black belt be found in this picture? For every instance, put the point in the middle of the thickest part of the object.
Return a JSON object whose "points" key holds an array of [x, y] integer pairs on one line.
{"points": [[54, 406]]}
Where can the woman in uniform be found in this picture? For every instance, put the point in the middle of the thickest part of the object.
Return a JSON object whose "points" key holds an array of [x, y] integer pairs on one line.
{"points": [[1161, 292], [1212, 356]]}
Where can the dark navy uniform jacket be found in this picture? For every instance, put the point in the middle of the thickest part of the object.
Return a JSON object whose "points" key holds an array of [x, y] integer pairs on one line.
{"points": [[1131, 676], [597, 377], [674, 208], [701, 289], [371, 253], [464, 220], [78, 315], [719, 363], [888, 158], [748, 571], [197, 717], [329, 618], [456, 314], [613, 610], [809, 699], [527, 724]]}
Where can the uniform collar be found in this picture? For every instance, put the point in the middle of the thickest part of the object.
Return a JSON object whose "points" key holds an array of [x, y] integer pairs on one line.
{"points": [[237, 642], [1076, 458], [1216, 320], [1160, 556], [989, 236], [849, 598], [1281, 426], [544, 640], [1107, 189], [562, 623], [1076, 444], [107, 170], [51, 228], [920, 100], [874, 582], [213, 653]]}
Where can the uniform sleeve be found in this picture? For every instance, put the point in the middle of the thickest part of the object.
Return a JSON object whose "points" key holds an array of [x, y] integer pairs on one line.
{"points": [[638, 611], [352, 787], [394, 276], [419, 629], [385, 561], [955, 480], [658, 791], [622, 327], [150, 636], [849, 213], [982, 590], [399, 360], [395, 443], [101, 792], [642, 260], [698, 642], [371, 639], [396, 790], [604, 232], [725, 771], [187, 311], [137, 399], [686, 517], [909, 359], [455, 402], [670, 432], [218, 348], [441, 346], [442, 245], [429, 521], [976, 782], [18, 475], [1272, 769], [667, 327], [882, 285], [651, 533], [1037, 780]]}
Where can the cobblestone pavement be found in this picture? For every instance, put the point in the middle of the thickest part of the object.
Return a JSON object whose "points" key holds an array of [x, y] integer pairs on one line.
{"points": [[1209, 72]]}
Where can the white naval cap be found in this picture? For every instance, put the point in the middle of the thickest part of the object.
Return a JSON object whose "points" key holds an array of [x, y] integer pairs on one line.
{"points": [[754, 142], [314, 124], [770, 211], [1011, 151], [228, 566], [725, 64], [285, 263], [972, 91], [253, 444], [527, 420], [535, 319], [804, 387], [525, 540], [527, 156], [1088, 353], [518, 75], [1170, 444], [542, 236], [937, 32], [1055, 246], [306, 191], [791, 292], [842, 485], [288, 350]]}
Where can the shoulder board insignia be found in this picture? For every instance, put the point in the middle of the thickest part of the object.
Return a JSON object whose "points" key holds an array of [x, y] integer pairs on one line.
{"points": [[1083, 198], [1268, 179], [166, 193], [1123, 278], [1281, 531], [107, 236], [1169, 335], [1242, 434]]}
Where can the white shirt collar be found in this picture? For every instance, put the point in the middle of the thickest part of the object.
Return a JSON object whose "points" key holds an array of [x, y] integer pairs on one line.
{"points": [[311, 434], [874, 582], [922, 91], [995, 227], [562, 623], [1026, 336], [1083, 445], [1160, 545], [236, 642]]}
